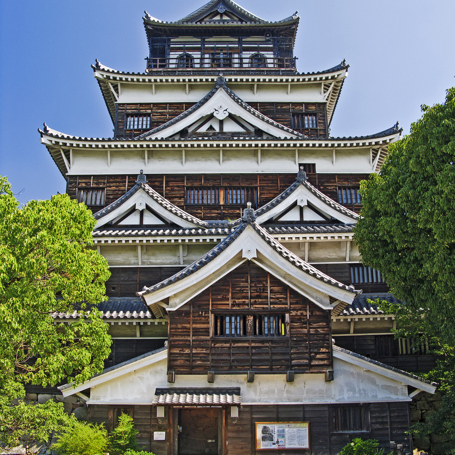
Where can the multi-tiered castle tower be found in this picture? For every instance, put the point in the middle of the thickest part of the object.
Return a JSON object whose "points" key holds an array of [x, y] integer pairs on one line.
{"points": [[226, 211]]}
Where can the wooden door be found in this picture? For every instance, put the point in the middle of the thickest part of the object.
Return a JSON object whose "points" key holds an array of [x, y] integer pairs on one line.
{"points": [[198, 431]]}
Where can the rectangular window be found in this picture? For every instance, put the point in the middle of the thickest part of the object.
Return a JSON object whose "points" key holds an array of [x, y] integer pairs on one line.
{"points": [[250, 325], [361, 274], [91, 196], [349, 418], [138, 122], [349, 195], [413, 346], [221, 60], [301, 121], [309, 168], [221, 196]]}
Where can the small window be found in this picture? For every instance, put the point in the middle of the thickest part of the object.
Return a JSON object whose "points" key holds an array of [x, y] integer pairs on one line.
{"points": [[349, 418], [361, 274], [138, 122], [221, 196], [309, 168], [413, 346], [258, 61], [221, 60], [250, 325], [202, 196], [301, 121], [349, 195], [91, 196], [185, 61]]}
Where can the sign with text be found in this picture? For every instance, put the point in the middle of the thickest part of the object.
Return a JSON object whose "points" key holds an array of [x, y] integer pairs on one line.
{"points": [[282, 435]]}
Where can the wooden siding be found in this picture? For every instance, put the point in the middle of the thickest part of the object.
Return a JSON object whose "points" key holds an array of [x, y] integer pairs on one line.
{"points": [[385, 422], [249, 289], [160, 113], [123, 350], [126, 281], [174, 187], [370, 346]]}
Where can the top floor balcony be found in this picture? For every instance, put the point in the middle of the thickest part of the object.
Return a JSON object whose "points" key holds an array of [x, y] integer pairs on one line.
{"points": [[228, 61]]}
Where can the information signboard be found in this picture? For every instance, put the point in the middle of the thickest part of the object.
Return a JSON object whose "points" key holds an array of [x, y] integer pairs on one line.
{"points": [[282, 435]]}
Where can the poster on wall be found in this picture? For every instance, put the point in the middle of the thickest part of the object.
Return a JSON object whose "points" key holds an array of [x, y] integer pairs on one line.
{"points": [[282, 435]]}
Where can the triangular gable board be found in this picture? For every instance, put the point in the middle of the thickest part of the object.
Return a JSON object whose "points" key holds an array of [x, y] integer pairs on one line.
{"points": [[147, 219], [315, 204], [217, 10], [143, 206], [221, 104], [357, 380], [248, 242]]}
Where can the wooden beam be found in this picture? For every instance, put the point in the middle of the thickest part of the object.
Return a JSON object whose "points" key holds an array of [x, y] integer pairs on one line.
{"points": [[108, 158], [67, 165], [113, 91], [348, 251]]}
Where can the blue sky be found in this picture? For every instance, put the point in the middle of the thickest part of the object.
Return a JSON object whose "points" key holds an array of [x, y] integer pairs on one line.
{"points": [[401, 55]]}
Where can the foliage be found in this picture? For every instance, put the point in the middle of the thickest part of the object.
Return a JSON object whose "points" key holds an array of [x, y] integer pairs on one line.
{"points": [[361, 447], [82, 439], [407, 230], [123, 437], [38, 422], [47, 265], [137, 452]]}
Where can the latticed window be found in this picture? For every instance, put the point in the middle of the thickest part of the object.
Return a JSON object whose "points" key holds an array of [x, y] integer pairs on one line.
{"points": [[302, 121], [413, 346], [221, 60], [185, 61], [349, 418], [361, 274], [138, 122], [221, 196], [309, 168], [349, 195], [91, 196], [258, 61], [250, 325]]}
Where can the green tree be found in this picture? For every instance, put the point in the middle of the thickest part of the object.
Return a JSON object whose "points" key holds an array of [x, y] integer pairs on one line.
{"points": [[82, 439], [123, 437], [47, 265], [407, 229]]}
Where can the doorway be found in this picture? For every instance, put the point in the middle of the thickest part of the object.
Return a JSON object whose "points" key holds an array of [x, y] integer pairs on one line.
{"points": [[198, 431]]}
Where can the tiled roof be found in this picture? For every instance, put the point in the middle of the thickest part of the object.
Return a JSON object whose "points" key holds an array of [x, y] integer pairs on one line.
{"points": [[115, 308], [197, 265], [341, 66], [248, 219], [200, 396], [157, 197], [361, 307], [383, 365], [174, 232], [302, 180], [220, 83], [250, 18]]}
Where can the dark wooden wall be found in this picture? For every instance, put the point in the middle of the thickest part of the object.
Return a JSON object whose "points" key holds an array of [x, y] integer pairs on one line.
{"points": [[123, 350], [192, 349], [386, 422], [174, 187], [126, 281], [372, 346], [160, 113]]}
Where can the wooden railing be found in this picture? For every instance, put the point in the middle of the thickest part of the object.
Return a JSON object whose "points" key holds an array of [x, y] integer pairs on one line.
{"points": [[226, 61]]}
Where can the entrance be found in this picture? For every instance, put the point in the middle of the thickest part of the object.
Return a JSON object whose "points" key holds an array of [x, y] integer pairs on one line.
{"points": [[198, 431]]}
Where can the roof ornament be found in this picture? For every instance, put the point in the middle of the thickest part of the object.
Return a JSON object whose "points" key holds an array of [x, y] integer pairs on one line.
{"points": [[221, 9], [221, 81], [45, 128], [248, 214], [141, 178], [301, 175]]}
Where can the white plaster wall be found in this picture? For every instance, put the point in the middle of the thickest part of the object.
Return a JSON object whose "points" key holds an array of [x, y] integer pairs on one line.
{"points": [[352, 384], [237, 160], [176, 93]]}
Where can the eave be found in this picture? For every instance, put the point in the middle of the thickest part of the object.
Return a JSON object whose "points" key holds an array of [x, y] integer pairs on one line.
{"points": [[109, 80]]}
